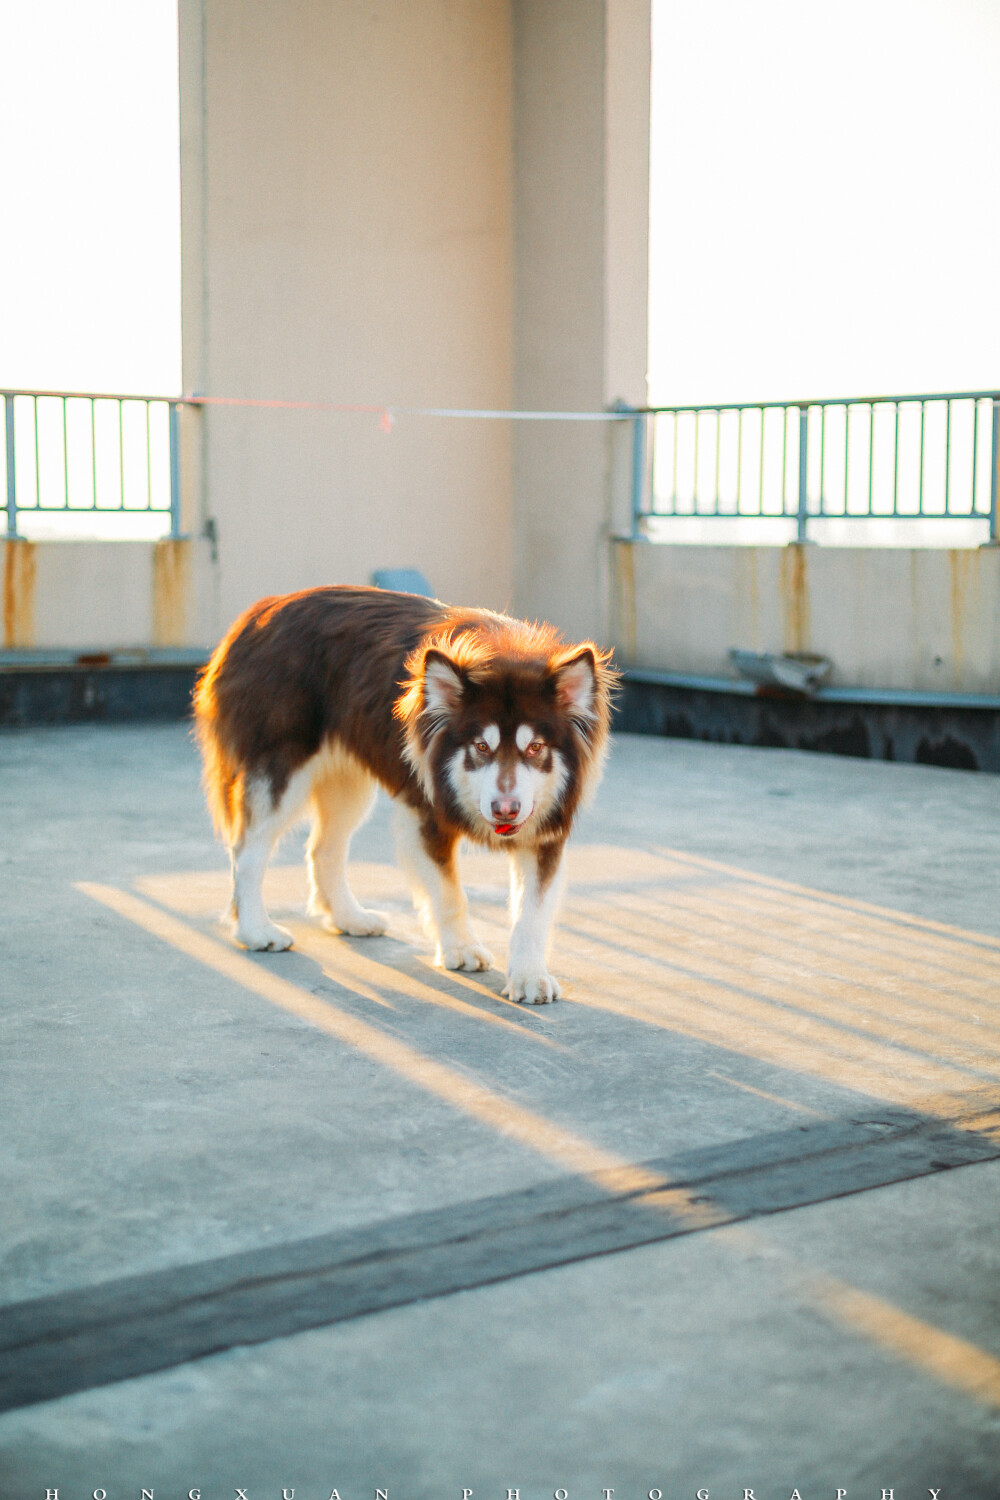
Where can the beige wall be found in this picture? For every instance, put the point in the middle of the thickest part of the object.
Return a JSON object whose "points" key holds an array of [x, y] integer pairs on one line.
{"points": [[926, 619], [440, 202], [581, 158], [346, 185], [106, 596]]}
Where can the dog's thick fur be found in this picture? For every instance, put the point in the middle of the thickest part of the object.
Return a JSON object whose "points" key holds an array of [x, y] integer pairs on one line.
{"points": [[479, 726]]}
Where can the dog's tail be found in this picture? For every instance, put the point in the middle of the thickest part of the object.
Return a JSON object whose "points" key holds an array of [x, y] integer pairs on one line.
{"points": [[221, 777]]}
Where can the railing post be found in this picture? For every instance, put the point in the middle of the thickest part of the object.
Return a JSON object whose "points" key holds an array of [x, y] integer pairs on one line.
{"points": [[175, 471], [803, 510], [638, 473], [8, 408], [994, 539]]}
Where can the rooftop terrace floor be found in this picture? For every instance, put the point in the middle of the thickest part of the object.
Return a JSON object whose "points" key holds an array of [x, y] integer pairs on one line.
{"points": [[725, 1217]]}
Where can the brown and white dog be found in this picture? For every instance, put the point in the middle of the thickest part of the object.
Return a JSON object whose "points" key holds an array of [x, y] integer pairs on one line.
{"points": [[477, 725]]}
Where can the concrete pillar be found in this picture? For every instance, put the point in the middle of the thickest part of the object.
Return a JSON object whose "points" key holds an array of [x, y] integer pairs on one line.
{"points": [[581, 210], [346, 204], [437, 202]]}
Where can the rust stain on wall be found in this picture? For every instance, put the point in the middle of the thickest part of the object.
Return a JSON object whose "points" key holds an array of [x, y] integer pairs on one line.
{"points": [[625, 598], [19, 568], [171, 591], [793, 581], [749, 597], [963, 567]]}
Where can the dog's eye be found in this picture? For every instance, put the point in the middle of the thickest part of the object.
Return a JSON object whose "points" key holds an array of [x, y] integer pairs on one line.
{"points": [[535, 748], [481, 746]]}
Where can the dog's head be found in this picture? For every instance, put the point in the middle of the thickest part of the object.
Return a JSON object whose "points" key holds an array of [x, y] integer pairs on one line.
{"points": [[506, 727]]}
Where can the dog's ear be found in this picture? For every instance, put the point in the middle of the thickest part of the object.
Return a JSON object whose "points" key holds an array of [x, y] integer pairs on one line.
{"points": [[443, 683], [576, 684]]}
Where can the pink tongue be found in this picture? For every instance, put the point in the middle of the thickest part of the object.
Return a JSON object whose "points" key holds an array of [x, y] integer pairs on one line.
{"points": [[504, 827]]}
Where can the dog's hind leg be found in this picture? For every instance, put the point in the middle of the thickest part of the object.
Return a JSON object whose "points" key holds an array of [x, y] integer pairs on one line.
{"points": [[429, 860], [263, 823], [342, 797]]}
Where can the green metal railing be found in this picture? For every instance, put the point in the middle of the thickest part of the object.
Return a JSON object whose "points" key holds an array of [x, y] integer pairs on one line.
{"points": [[892, 458], [77, 453]]}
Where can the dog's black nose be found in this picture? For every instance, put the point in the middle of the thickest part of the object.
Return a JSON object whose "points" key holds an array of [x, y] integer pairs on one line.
{"points": [[505, 809]]}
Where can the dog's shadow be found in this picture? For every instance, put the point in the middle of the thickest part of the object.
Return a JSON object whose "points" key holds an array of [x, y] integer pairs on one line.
{"points": [[370, 975]]}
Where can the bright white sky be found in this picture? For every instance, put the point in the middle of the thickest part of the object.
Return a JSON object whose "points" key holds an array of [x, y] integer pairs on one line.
{"points": [[825, 219], [90, 249], [824, 216]]}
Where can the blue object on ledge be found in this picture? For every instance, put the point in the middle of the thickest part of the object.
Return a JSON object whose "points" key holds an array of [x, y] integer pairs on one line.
{"points": [[403, 581]]}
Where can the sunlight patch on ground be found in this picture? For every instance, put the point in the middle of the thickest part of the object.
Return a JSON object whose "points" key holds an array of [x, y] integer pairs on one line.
{"points": [[890, 1005]]}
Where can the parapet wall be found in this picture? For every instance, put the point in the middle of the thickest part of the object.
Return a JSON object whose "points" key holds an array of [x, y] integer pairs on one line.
{"points": [[918, 619], [924, 620], [107, 596]]}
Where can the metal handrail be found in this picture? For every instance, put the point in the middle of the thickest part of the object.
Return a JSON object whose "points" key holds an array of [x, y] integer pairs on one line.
{"points": [[800, 401], [91, 466], [886, 475]]}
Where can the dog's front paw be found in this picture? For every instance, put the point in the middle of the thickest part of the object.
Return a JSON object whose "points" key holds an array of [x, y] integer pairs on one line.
{"points": [[466, 956], [534, 989], [358, 923], [268, 939]]}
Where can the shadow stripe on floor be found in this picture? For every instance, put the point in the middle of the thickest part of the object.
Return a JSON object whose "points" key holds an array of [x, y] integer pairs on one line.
{"points": [[75, 1341]]}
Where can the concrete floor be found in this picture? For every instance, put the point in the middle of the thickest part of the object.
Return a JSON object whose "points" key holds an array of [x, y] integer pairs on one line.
{"points": [[753, 941]]}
